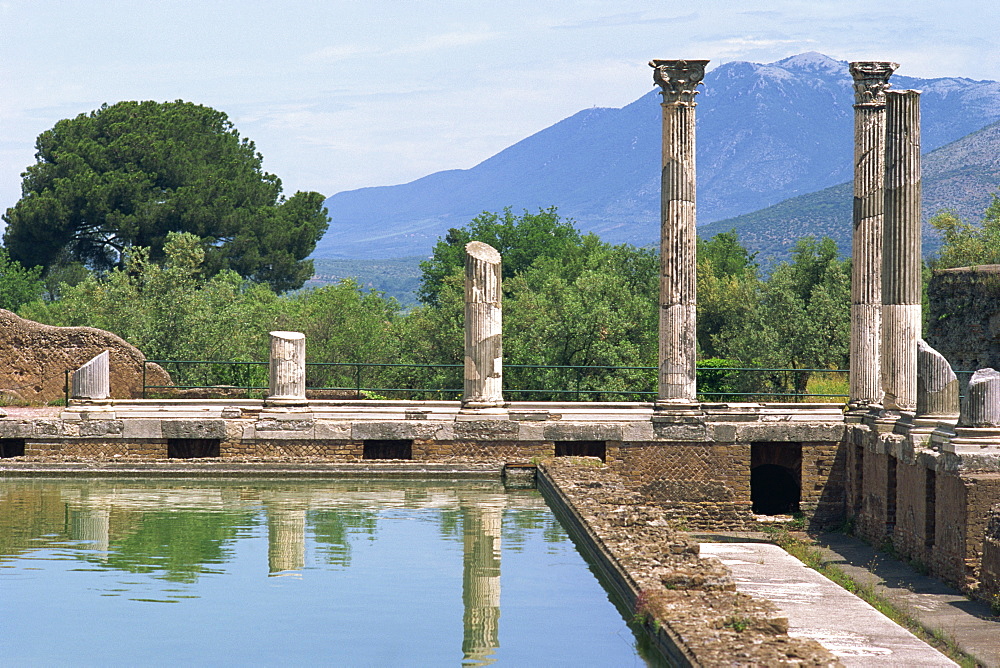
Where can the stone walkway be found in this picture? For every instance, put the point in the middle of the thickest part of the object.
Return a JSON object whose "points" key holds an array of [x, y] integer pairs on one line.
{"points": [[817, 608]]}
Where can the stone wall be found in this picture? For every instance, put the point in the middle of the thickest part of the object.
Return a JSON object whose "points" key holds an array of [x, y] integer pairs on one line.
{"points": [[990, 572], [963, 323], [34, 359]]}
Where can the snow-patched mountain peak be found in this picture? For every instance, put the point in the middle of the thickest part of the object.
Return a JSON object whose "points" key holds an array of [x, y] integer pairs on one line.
{"points": [[812, 61]]}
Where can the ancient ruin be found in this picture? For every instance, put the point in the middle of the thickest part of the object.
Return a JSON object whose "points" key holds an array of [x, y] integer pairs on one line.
{"points": [[679, 81], [871, 80], [904, 465], [483, 387]]}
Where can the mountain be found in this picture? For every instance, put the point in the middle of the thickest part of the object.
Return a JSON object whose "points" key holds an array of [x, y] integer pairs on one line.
{"points": [[960, 176], [766, 132]]}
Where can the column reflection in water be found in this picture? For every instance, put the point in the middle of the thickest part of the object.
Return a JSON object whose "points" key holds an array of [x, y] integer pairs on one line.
{"points": [[92, 524], [482, 525], [286, 538]]}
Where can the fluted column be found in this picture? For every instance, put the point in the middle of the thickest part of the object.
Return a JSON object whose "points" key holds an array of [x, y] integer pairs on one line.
{"points": [[287, 369], [901, 251], [982, 401], [871, 80], [679, 80], [937, 385], [92, 381], [483, 328]]}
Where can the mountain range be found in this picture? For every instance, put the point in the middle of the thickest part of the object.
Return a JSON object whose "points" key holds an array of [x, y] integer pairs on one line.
{"points": [[960, 177], [766, 133]]}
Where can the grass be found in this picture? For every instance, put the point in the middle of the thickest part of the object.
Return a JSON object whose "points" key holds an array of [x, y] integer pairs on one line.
{"points": [[805, 550], [828, 383]]}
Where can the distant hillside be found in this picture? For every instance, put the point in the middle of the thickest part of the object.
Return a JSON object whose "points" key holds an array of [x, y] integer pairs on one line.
{"points": [[396, 277], [765, 133], [960, 176]]}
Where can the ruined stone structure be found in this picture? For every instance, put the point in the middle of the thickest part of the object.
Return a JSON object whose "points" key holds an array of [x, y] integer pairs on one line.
{"points": [[679, 80], [871, 80], [903, 467], [901, 298], [288, 369], [35, 358], [483, 328], [93, 380]]}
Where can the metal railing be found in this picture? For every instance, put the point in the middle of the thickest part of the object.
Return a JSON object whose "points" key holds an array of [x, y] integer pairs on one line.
{"points": [[521, 381]]}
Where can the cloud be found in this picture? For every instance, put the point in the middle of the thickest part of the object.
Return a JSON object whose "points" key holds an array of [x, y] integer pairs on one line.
{"points": [[630, 19]]}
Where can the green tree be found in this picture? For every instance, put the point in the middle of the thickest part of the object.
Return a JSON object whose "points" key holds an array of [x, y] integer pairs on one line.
{"points": [[18, 285], [519, 239], [966, 244], [126, 175]]}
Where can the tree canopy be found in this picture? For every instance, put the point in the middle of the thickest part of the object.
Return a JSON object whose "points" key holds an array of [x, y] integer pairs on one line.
{"points": [[519, 239], [966, 244], [128, 174]]}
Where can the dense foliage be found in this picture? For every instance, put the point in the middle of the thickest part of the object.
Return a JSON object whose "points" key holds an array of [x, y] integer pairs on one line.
{"points": [[571, 300], [126, 175], [967, 244]]}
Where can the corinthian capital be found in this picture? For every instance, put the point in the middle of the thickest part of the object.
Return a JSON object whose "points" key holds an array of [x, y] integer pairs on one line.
{"points": [[871, 80], [679, 79]]}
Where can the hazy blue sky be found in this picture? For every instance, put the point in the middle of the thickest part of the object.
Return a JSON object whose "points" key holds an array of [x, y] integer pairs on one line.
{"points": [[340, 95]]}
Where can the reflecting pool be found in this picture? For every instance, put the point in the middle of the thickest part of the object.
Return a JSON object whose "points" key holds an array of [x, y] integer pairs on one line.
{"points": [[252, 572]]}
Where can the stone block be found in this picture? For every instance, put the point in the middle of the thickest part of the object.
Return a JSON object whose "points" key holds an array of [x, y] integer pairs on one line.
{"points": [[789, 431], [17, 429], [582, 431], [638, 431], [486, 430], [140, 428], [392, 431], [332, 431], [90, 428], [679, 431], [207, 428]]}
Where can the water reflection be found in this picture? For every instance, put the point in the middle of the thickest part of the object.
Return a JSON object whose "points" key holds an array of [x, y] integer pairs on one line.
{"points": [[180, 532]]}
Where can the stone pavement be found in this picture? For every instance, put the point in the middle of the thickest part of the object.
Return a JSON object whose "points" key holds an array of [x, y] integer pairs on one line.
{"points": [[817, 608], [938, 607]]}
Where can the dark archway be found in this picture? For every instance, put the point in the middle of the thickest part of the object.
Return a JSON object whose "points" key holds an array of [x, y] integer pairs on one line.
{"points": [[773, 490], [775, 478]]}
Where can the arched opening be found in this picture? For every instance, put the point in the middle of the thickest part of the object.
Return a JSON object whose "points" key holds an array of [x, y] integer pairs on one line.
{"points": [[775, 478]]}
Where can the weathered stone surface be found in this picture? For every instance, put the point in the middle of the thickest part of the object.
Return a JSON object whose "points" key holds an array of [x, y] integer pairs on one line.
{"points": [[101, 428], [393, 431], [871, 80], [287, 368], [692, 599], [34, 359], [982, 403], [483, 386], [93, 379], [937, 384], [207, 428], [486, 430], [901, 259], [141, 429], [568, 431], [679, 80], [964, 320]]}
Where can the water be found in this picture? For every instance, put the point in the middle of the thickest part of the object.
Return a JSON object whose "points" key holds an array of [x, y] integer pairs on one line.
{"points": [[373, 573]]}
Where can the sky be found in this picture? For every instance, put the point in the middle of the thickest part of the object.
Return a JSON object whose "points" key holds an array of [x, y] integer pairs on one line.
{"points": [[341, 94]]}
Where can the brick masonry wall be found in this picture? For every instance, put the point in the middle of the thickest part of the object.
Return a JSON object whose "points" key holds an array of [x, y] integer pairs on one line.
{"points": [[701, 485], [870, 522], [152, 449], [989, 574], [909, 537], [823, 477], [947, 559]]}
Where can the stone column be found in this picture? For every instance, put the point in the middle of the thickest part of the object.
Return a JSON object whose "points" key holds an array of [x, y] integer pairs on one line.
{"points": [[937, 385], [871, 80], [901, 252], [679, 80], [978, 429], [92, 381], [288, 369], [483, 328]]}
